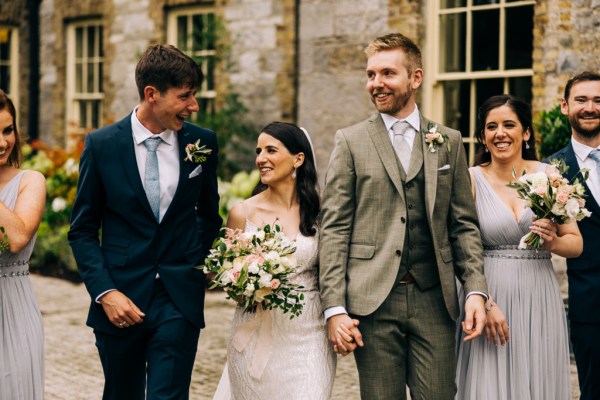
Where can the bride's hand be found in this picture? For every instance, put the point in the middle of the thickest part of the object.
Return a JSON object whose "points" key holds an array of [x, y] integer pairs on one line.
{"points": [[496, 327]]}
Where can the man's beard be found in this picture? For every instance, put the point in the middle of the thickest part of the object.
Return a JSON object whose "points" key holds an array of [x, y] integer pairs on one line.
{"points": [[396, 106], [588, 133]]}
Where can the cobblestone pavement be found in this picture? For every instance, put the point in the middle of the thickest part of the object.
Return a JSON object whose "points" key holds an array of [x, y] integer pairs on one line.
{"points": [[73, 371]]}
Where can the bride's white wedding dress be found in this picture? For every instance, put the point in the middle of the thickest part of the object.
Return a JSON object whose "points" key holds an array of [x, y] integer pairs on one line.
{"points": [[279, 358]]}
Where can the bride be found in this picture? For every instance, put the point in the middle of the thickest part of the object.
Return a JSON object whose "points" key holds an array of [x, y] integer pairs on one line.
{"points": [[271, 356]]}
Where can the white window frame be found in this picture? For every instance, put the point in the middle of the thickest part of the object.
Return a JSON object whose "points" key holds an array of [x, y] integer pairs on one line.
{"points": [[433, 90], [13, 62], [172, 38], [74, 126]]}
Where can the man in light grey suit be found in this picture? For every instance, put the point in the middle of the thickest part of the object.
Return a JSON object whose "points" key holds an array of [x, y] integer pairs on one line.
{"points": [[399, 223]]}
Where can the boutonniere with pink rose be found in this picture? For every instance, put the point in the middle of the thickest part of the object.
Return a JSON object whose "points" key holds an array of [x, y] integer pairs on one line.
{"points": [[196, 153], [435, 138]]}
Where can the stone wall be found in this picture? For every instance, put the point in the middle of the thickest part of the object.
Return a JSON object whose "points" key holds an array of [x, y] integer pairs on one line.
{"points": [[14, 13], [333, 35], [566, 38]]}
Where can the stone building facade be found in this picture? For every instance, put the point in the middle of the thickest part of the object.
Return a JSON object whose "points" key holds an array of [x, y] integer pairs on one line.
{"points": [[302, 60]]}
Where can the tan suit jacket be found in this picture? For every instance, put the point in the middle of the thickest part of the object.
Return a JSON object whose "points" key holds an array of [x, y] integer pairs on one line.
{"points": [[364, 219]]}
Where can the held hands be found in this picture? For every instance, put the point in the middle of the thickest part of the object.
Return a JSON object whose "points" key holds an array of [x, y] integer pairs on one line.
{"points": [[496, 326], [120, 310], [547, 230], [343, 334], [475, 317]]}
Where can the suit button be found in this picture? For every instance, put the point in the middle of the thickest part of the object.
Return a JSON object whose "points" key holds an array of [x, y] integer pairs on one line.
{"points": [[408, 185], [411, 227], [410, 206], [398, 252], [403, 220], [408, 267], [412, 247]]}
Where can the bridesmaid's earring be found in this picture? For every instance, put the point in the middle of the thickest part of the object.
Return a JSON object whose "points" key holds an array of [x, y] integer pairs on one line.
{"points": [[527, 146], [486, 149], [294, 174]]}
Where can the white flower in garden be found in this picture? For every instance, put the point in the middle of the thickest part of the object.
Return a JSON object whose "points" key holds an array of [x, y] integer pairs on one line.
{"points": [[71, 167], [59, 204]]}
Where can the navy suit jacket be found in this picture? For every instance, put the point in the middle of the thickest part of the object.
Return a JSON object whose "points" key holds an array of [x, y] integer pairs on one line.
{"points": [[583, 271], [117, 242]]}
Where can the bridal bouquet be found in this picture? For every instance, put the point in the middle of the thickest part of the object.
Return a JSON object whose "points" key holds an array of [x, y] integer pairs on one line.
{"points": [[550, 195], [254, 269]]}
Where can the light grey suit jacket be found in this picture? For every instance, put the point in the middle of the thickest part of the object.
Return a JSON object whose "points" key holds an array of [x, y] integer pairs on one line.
{"points": [[364, 219]]}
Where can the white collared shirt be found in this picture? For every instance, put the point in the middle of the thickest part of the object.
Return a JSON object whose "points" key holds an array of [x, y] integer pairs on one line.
{"points": [[582, 153], [168, 160], [414, 120]]}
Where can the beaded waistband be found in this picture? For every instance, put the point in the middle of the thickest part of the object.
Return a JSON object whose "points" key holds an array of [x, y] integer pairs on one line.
{"points": [[513, 252], [15, 268]]}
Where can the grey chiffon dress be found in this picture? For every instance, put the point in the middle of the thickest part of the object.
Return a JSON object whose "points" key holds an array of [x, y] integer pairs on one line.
{"points": [[21, 330], [534, 364], [298, 361]]}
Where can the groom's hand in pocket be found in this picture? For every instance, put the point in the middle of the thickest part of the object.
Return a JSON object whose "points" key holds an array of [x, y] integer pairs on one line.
{"points": [[121, 311], [344, 334]]}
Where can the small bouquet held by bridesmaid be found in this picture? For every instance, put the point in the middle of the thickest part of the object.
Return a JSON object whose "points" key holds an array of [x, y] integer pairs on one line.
{"points": [[254, 268], [551, 196]]}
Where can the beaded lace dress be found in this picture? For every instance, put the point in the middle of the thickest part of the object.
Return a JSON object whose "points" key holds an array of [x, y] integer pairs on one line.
{"points": [[21, 330], [300, 361], [534, 364]]}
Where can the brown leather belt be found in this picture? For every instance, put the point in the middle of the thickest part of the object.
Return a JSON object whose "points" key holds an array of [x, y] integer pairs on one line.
{"points": [[407, 278]]}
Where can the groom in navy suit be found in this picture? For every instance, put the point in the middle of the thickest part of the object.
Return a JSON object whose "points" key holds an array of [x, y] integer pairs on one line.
{"points": [[142, 219], [582, 105]]}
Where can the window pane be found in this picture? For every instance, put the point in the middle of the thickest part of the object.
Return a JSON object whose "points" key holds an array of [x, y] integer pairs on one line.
{"points": [[90, 78], [4, 44], [211, 32], [83, 120], [486, 88], [100, 42], [452, 3], [519, 37], [210, 73], [198, 34], [182, 32], [91, 41], [456, 105], [5, 78], [521, 88], [485, 2], [452, 51], [78, 77], [95, 117], [78, 42], [100, 81], [486, 27]]}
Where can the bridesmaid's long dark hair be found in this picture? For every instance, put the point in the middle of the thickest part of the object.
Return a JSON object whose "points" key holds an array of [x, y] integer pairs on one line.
{"points": [[523, 112], [307, 188]]}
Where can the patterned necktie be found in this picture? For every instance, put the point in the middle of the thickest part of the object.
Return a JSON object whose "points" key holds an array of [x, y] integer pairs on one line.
{"points": [[151, 181], [400, 143], [595, 155]]}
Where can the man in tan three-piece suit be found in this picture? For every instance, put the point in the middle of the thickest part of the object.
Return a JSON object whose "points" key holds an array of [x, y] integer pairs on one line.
{"points": [[399, 223]]}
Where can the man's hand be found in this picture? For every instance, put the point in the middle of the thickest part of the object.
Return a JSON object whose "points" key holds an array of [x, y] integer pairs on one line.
{"points": [[343, 334], [120, 310], [474, 317]]}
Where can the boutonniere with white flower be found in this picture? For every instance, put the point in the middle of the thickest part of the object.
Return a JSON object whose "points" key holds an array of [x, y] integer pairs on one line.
{"points": [[435, 138], [196, 153]]}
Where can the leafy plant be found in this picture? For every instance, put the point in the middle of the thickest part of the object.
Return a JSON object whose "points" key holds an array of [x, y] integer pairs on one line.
{"points": [[554, 130]]}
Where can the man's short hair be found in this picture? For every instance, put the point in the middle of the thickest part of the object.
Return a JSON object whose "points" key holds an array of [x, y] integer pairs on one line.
{"points": [[582, 77], [165, 66], [393, 41]]}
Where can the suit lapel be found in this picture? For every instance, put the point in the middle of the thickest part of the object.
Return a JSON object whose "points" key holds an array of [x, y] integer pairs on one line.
{"points": [[124, 138], [385, 150], [430, 169]]}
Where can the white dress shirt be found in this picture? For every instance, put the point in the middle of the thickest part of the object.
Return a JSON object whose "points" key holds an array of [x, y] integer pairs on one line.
{"points": [[582, 152], [168, 160]]}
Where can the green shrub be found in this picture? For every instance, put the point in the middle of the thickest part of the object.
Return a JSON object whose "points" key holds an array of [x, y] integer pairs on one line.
{"points": [[554, 131]]}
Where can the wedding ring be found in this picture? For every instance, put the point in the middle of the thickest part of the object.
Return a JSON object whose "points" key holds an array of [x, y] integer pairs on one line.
{"points": [[122, 324]]}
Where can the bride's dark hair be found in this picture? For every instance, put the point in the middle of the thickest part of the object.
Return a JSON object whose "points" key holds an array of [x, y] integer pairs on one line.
{"points": [[307, 188]]}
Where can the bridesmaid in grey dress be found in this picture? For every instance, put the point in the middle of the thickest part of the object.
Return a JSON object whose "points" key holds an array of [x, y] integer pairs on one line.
{"points": [[531, 360], [282, 358], [22, 198]]}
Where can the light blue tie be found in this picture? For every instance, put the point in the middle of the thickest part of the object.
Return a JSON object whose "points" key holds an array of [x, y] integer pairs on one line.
{"points": [[400, 143], [595, 155], [151, 181]]}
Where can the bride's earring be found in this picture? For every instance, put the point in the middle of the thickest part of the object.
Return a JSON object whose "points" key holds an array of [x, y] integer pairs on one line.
{"points": [[294, 174]]}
